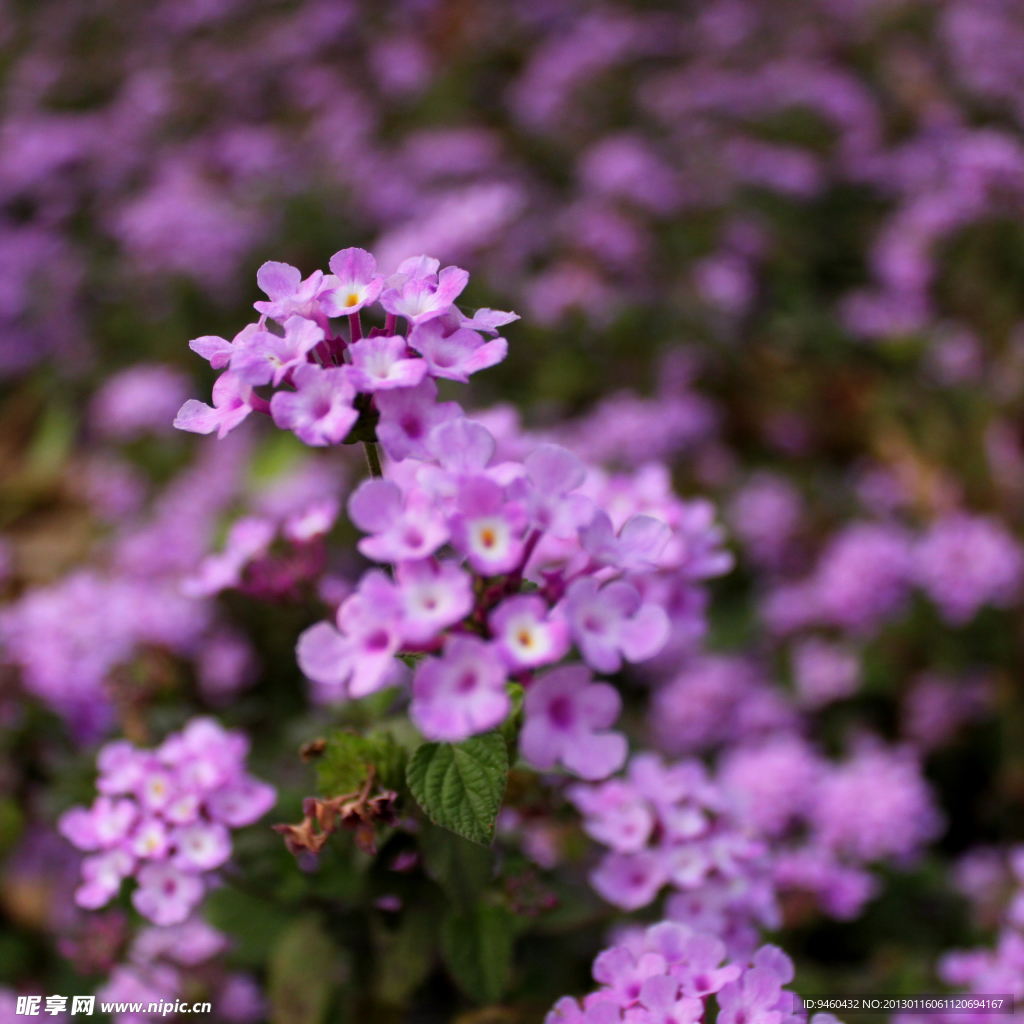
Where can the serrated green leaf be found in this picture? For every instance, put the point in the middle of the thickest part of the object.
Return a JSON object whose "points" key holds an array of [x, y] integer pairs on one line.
{"points": [[477, 950], [461, 868], [345, 763], [301, 974], [460, 785]]}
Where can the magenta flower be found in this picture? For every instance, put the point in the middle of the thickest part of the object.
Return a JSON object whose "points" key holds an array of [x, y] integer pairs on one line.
{"points": [[624, 974], [419, 293], [320, 410], [232, 403], [637, 547], [565, 716], [102, 876], [352, 284], [201, 846], [380, 364], [630, 880], [461, 693], [698, 969], [166, 895], [289, 295], [268, 358], [355, 659], [567, 1011], [662, 1003], [407, 416], [616, 815], [488, 320], [219, 351], [526, 634], [486, 528], [402, 530], [435, 595], [552, 472], [455, 354], [752, 1000], [240, 801], [247, 539], [612, 623]]}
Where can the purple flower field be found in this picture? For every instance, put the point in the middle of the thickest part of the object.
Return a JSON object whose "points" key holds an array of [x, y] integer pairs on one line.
{"points": [[511, 512]]}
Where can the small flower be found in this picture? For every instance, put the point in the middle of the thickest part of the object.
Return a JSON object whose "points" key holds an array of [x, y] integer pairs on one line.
{"points": [[268, 358], [487, 529], [636, 548], [165, 894], [460, 694], [407, 416], [232, 403], [219, 351], [526, 634], [380, 364], [320, 410], [352, 284], [435, 595], [355, 659], [201, 847], [613, 622], [402, 529], [564, 713], [289, 295], [455, 354], [630, 880], [419, 293], [488, 320]]}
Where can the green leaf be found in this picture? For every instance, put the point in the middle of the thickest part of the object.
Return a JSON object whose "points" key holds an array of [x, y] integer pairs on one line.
{"points": [[460, 785], [345, 763], [461, 868], [253, 924], [510, 728], [301, 974], [477, 950], [405, 955]]}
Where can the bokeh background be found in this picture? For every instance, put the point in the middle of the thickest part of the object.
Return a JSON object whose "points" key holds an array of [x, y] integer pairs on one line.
{"points": [[778, 244]]}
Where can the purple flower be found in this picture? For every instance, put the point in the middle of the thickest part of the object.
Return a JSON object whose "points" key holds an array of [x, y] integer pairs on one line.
{"points": [[613, 622], [455, 354], [408, 415], [630, 880], [527, 634], [662, 1003], [200, 846], [102, 876], [698, 969], [419, 293], [564, 713], [552, 473], [268, 358], [567, 1011], [967, 561], [624, 973], [824, 672], [219, 351], [488, 320], [435, 595], [165, 894], [380, 364], [355, 661], [247, 539], [751, 1000], [616, 815], [352, 284], [637, 547], [402, 530], [486, 528], [460, 694], [289, 294], [232, 403], [138, 400], [320, 410]]}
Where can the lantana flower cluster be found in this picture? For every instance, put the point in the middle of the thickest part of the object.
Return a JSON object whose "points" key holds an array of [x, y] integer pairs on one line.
{"points": [[496, 567], [666, 974], [164, 817]]}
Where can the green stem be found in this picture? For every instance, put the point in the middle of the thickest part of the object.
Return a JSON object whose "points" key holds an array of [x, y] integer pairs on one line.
{"points": [[372, 458]]}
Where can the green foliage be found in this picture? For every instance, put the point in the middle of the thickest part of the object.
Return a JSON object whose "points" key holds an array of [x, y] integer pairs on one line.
{"points": [[460, 785], [460, 867], [346, 761], [301, 974], [477, 950], [405, 955]]}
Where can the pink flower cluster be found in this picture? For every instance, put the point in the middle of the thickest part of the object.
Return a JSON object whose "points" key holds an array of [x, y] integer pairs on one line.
{"points": [[164, 816], [324, 372], [666, 974], [499, 565], [777, 816]]}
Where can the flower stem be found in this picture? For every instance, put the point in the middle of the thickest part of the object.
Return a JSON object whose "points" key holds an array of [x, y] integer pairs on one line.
{"points": [[372, 458]]}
